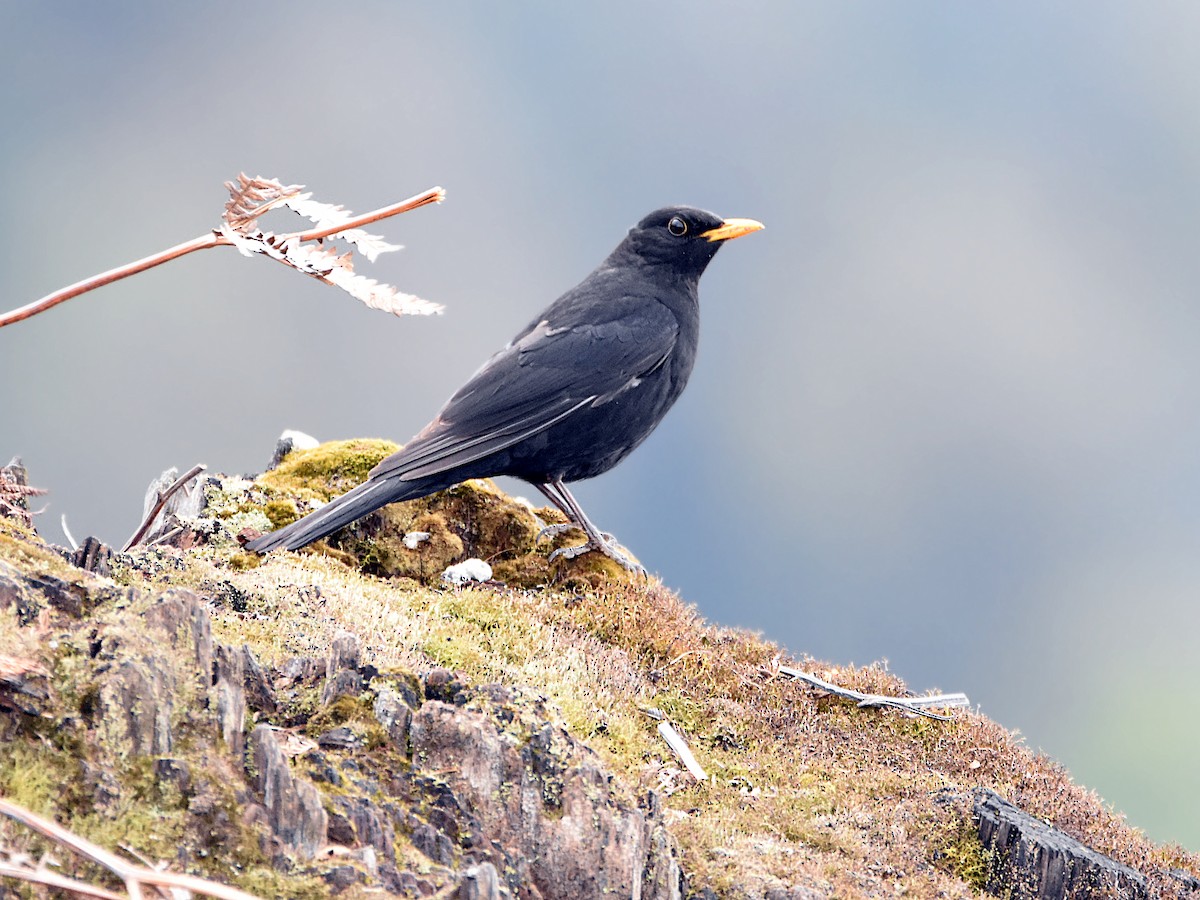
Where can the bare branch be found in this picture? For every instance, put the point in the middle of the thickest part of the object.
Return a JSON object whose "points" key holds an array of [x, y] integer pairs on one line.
{"points": [[90, 284], [163, 497], [133, 876], [676, 742], [433, 195], [53, 879], [916, 705], [249, 199]]}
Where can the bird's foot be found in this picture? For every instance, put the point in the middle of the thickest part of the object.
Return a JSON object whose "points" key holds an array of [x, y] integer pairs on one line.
{"points": [[553, 531], [606, 545]]}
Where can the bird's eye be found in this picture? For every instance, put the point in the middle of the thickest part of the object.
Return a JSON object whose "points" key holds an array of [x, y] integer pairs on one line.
{"points": [[677, 226]]}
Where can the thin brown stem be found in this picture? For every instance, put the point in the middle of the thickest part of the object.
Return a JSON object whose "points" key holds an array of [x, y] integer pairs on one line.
{"points": [[133, 876], [433, 195], [53, 879], [90, 284], [216, 239], [163, 497]]}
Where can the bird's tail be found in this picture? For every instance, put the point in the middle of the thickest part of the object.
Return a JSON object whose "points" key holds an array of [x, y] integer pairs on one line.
{"points": [[367, 497]]}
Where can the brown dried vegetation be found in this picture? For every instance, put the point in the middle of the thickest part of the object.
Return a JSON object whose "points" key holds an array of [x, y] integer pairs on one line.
{"points": [[805, 791]]}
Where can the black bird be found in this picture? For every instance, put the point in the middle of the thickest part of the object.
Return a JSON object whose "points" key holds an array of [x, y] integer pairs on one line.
{"points": [[571, 395]]}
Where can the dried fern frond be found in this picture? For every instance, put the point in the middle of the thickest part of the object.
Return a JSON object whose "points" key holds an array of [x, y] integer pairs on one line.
{"points": [[326, 215], [249, 198], [325, 264]]}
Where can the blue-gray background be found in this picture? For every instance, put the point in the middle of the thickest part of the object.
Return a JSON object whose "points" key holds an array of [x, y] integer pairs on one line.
{"points": [[947, 408]]}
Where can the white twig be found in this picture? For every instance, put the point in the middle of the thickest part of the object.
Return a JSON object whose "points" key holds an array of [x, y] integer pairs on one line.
{"points": [[676, 742], [67, 531], [911, 704]]}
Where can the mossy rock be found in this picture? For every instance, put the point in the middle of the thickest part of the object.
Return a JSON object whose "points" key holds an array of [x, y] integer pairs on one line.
{"points": [[329, 470]]}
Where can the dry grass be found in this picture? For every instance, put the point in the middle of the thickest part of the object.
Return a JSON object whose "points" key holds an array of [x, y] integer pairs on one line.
{"points": [[803, 789]]}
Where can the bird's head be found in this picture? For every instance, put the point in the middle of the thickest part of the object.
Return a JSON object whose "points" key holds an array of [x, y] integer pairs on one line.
{"points": [[682, 237]]}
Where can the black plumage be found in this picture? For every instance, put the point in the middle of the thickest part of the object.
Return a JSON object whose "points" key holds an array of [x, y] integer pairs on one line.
{"points": [[571, 395]]}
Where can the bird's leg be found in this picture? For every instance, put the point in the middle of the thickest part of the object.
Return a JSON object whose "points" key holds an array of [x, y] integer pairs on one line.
{"points": [[558, 494]]}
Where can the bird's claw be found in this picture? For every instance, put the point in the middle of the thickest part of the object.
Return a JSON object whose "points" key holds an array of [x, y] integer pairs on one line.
{"points": [[552, 531], [607, 546]]}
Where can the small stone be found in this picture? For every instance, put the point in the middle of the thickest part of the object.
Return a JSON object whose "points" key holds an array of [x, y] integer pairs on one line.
{"points": [[468, 570], [481, 882], [340, 738], [346, 683], [343, 654], [341, 877], [340, 830], [173, 771], [394, 715], [260, 696]]}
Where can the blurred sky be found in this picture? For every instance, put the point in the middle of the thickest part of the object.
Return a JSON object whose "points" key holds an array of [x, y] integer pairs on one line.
{"points": [[947, 407]]}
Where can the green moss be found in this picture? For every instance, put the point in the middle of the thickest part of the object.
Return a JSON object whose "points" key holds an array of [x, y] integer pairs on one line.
{"points": [[281, 512], [240, 562], [265, 882], [961, 853], [343, 710], [331, 469], [32, 777]]}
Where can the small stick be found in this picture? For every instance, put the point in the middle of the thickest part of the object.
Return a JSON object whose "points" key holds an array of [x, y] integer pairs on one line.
{"points": [[676, 742], [67, 531], [133, 876], [215, 239], [53, 879], [163, 497], [911, 704]]}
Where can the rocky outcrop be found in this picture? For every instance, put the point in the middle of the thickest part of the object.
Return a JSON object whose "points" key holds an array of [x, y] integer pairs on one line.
{"points": [[523, 784], [407, 782]]}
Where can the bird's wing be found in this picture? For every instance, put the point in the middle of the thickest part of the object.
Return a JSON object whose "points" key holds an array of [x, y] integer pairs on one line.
{"points": [[545, 376]]}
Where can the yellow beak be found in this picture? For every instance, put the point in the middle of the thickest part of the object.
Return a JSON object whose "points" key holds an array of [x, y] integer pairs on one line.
{"points": [[732, 228]]}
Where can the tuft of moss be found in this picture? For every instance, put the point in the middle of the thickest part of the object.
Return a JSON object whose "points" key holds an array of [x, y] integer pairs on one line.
{"points": [[281, 512], [961, 853], [240, 562], [333, 468]]}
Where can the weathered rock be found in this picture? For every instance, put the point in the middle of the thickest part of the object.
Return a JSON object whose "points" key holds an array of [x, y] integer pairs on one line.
{"points": [[340, 738], [174, 771], [293, 804], [1030, 859], [346, 683], [62, 595], [394, 713], [181, 616], [529, 787], [371, 826], [92, 556], [481, 882], [433, 844], [343, 654], [341, 877], [341, 669], [260, 696], [134, 706], [24, 688], [231, 697], [297, 671]]}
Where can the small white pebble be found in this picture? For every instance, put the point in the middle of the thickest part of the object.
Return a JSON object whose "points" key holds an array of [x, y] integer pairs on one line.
{"points": [[468, 570], [414, 538]]}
